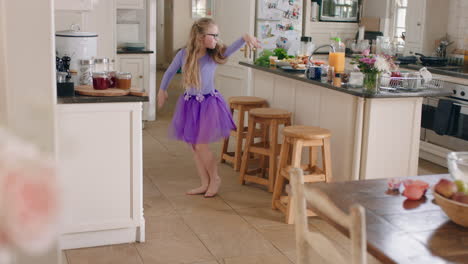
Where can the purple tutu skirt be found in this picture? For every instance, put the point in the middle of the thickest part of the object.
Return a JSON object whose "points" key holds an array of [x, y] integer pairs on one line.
{"points": [[201, 119]]}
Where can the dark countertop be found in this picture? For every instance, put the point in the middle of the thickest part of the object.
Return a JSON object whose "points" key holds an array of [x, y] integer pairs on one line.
{"points": [[353, 91], [134, 52], [438, 70], [82, 99]]}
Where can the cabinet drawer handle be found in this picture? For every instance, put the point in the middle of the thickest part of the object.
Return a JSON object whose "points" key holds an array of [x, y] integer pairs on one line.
{"points": [[141, 76]]}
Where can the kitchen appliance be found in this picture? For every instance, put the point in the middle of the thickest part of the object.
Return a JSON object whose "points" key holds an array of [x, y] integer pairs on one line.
{"points": [[77, 45], [339, 10], [444, 125], [278, 24]]}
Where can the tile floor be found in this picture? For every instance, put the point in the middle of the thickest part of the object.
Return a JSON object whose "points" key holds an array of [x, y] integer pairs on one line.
{"points": [[236, 227]]}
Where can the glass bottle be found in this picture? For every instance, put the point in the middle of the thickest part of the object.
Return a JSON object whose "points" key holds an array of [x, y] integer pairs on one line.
{"points": [[337, 58]]}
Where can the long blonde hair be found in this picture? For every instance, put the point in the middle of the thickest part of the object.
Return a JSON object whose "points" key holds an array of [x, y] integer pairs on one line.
{"points": [[191, 69]]}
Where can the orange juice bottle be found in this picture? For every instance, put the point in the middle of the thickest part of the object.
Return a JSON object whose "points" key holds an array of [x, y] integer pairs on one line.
{"points": [[337, 58]]}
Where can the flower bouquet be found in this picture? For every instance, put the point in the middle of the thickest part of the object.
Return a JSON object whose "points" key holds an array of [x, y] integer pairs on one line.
{"points": [[29, 198], [372, 66]]}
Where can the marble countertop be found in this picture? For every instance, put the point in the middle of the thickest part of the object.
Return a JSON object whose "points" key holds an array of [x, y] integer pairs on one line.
{"points": [[353, 91]]}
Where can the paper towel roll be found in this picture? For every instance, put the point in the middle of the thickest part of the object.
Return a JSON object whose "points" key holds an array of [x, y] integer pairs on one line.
{"points": [[361, 32]]}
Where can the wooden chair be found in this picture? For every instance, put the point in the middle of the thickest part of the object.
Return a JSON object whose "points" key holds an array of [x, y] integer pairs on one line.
{"points": [[270, 119], [295, 139], [241, 104], [354, 222]]}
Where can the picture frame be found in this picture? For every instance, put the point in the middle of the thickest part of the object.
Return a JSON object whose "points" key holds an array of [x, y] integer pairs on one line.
{"points": [[201, 8]]}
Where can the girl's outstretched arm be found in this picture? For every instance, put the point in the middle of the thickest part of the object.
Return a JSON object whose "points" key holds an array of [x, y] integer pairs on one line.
{"points": [[168, 75], [251, 41]]}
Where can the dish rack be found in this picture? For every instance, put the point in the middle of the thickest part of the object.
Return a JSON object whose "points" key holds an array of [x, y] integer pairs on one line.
{"points": [[409, 83]]}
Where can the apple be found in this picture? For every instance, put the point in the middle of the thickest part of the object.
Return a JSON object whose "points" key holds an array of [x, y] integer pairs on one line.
{"points": [[460, 197], [462, 186], [446, 188]]}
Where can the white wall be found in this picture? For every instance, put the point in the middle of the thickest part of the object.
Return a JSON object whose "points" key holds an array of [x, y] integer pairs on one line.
{"points": [[458, 23], [101, 20], [182, 23], [27, 97], [437, 16], [321, 31]]}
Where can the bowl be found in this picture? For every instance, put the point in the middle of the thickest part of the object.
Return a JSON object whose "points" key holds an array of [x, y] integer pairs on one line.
{"points": [[456, 211], [280, 63]]}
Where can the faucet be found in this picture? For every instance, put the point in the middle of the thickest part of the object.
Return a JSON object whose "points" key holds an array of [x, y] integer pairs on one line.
{"points": [[322, 46]]}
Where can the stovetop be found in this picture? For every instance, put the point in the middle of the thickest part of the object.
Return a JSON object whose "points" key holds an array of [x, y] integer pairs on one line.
{"points": [[455, 71]]}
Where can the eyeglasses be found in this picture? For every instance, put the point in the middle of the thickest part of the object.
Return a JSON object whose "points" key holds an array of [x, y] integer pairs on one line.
{"points": [[213, 35]]}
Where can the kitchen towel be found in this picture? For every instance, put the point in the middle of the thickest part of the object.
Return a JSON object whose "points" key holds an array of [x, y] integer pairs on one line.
{"points": [[445, 117], [427, 117]]}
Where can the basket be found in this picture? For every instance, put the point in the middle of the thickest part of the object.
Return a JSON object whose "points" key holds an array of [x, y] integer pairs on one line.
{"points": [[409, 83]]}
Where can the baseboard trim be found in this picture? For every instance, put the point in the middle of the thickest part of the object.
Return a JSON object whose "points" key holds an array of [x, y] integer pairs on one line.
{"points": [[433, 153], [100, 238]]}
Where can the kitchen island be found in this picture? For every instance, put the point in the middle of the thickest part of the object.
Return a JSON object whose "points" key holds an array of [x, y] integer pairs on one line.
{"points": [[99, 150], [373, 136]]}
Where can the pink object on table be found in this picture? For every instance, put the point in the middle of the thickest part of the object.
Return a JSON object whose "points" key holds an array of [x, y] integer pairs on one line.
{"points": [[415, 189], [394, 183]]}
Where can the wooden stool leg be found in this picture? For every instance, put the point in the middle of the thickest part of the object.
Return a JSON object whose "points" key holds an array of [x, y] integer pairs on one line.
{"points": [[239, 139], [279, 182], [312, 157], [224, 149], [264, 139], [273, 152], [296, 163], [326, 159], [248, 142]]}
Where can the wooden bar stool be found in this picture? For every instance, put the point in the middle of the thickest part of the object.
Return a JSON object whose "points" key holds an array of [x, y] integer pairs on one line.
{"points": [[296, 138], [270, 119], [242, 104]]}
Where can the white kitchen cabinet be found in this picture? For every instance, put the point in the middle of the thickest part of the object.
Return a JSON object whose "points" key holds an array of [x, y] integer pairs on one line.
{"points": [[426, 22], [365, 141], [74, 5], [130, 4], [99, 149], [143, 78], [138, 66]]}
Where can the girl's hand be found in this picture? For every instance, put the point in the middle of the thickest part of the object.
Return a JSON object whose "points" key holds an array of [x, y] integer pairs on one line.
{"points": [[162, 96], [251, 41]]}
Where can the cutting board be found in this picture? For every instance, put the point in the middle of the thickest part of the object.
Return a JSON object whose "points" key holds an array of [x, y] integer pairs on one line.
{"points": [[88, 90]]}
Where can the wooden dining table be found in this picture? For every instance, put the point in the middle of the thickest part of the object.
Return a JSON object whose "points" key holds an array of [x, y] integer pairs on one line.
{"points": [[400, 230]]}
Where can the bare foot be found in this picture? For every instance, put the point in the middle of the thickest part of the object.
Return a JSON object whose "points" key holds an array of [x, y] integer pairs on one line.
{"points": [[213, 188], [199, 190]]}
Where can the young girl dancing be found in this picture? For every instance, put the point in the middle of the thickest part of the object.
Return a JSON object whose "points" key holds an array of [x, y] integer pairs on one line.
{"points": [[202, 116]]}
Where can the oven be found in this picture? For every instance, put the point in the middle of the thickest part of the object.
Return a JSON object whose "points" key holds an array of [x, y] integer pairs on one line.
{"points": [[444, 127]]}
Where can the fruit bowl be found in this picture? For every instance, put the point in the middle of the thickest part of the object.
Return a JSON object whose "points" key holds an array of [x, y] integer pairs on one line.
{"points": [[456, 211]]}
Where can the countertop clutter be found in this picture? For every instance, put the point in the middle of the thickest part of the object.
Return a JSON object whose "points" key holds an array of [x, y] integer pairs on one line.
{"points": [[83, 99], [353, 91]]}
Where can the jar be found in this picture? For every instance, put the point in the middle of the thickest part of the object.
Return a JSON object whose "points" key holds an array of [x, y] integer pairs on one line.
{"points": [[100, 80], [124, 80], [101, 65], [306, 46], [85, 74], [337, 80], [112, 79]]}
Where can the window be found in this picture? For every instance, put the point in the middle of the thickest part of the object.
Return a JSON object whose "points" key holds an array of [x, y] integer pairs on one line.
{"points": [[400, 19], [202, 8]]}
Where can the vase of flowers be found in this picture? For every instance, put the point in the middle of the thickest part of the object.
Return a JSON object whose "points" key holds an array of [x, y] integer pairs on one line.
{"points": [[372, 66]]}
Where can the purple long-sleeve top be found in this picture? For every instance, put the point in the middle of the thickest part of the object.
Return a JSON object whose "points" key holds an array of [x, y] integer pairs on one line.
{"points": [[207, 68]]}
